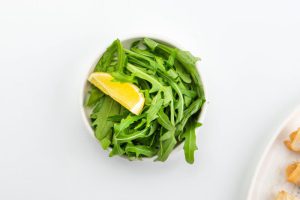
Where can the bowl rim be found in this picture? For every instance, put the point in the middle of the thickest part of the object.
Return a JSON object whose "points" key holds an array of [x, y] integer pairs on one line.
{"points": [[84, 85]]}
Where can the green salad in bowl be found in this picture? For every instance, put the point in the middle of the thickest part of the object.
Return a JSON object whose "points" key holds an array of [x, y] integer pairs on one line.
{"points": [[143, 98]]}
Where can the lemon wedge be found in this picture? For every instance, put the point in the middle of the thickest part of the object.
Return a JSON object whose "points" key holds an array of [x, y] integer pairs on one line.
{"points": [[127, 94]]}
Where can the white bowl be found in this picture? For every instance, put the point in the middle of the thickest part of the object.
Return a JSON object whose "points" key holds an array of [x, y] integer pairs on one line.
{"points": [[126, 43]]}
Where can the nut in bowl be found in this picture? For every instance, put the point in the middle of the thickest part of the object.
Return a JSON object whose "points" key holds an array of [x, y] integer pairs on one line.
{"points": [[144, 98]]}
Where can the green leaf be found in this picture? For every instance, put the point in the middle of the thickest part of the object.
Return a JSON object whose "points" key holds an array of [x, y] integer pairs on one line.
{"points": [[172, 112], [126, 122], [121, 77], [191, 110], [147, 96], [150, 43], [153, 128], [190, 141], [102, 126], [94, 96], [167, 135], [143, 52], [185, 58], [145, 61], [140, 150], [160, 63], [172, 57], [148, 140], [189, 62], [166, 147], [121, 56], [106, 58], [180, 102], [168, 95], [182, 74], [172, 73], [116, 118], [106, 142], [123, 137], [156, 85], [189, 93], [135, 44], [111, 68], [184, 88], [96, 109], [163, 120], [141, 124], [187, 100], [154, 108], [117, 149]]}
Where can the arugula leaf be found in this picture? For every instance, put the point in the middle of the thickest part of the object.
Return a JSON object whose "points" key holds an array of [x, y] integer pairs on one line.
{"points": [[172, 74], [191, 110], [126, 122], [167, 135], [96, 109], [150, 63], [187, 100], [163, 120], [121, 77], [121, 56], [102, 126], [117, 149], [154, 108], [180, 102], [171, 59], [93, 97], [190, 141], [148, 140], [166, 148], [143, 52], [116, 118], [172, 112], [189, 61], [150, 43], [106, 141], [156, 85], [168, 95], [123, 137], [140, 150], [106, 58], [160, 63], [189, 93], [185, 58], [141, 124], [135, 44], [182, 74]]}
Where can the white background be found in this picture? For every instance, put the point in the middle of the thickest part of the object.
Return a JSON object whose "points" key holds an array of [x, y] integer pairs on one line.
{"points": [[250, 64]]}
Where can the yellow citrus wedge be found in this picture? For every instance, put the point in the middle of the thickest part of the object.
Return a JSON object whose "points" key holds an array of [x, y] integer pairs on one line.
{"points": [[127, 94]]}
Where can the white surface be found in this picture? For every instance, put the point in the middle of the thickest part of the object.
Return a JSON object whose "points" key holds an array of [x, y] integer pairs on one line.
{"points": [[251, 65], [270, 177]]}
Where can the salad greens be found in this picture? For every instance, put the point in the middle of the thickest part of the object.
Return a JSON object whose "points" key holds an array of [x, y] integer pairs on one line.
{"points": [[173, 93]]}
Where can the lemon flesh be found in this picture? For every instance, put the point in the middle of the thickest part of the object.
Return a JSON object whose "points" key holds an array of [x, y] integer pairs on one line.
{"points": [[127, 94]]}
